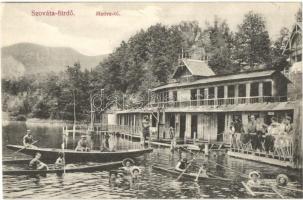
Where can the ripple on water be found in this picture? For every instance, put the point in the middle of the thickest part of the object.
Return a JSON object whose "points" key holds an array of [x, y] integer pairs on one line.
{"points": [[154, 184]]}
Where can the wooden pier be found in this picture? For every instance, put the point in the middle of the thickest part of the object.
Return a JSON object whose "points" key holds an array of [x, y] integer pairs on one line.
{"points": [[257, 157]]}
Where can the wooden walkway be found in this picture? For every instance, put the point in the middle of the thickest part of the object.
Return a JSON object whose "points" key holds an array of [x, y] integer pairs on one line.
{"points": [[257, 158]]}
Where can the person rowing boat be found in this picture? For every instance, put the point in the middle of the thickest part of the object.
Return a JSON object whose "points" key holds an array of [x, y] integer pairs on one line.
{"points": [[28, 140], [36, 164], [182, 165]]}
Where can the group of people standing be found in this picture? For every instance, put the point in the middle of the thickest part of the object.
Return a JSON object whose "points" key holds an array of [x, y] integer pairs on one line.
{"points": [[259, 136]]}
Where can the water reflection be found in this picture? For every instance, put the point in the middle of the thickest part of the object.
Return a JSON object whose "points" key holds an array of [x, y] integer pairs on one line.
{"points": [[154, 184]]}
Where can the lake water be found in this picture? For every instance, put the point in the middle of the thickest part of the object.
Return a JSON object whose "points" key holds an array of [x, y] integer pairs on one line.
{"points": [[154, 184]]}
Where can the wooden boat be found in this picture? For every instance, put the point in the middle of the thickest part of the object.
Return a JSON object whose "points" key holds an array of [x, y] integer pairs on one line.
{"points": [[191, 176], [262, 190], [98, 167], [19, 161], [50, 155]]}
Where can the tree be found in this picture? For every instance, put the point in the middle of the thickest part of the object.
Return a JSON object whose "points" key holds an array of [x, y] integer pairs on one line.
{"points": [[252, 43], [278, 55], [299, 16], [219, 45]]}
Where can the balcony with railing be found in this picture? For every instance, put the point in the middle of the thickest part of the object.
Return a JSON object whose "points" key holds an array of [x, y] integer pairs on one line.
{"points": [[131, 130], [219, 101]]}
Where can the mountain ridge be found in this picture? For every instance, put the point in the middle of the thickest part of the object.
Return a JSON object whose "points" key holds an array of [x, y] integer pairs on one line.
{"points": [[30, 58]]}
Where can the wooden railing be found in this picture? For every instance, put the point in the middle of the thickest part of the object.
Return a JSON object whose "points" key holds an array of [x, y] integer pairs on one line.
{"points": [[283, 148], [132, 130], [219, 101]]}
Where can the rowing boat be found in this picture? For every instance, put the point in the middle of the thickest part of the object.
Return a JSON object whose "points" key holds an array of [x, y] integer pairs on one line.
{"points": [[187, 175], [261, 190], [51, 154], [18, 161], [98, 167]]}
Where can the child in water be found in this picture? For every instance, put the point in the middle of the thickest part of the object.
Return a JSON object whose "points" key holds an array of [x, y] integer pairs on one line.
{"points": [[112, 178], [254, 179], [282, 180]]}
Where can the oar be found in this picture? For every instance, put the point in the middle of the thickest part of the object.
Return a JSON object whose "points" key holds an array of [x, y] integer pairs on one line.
{"points": [[248, 189], [292, 189], [197, 177], [25, 147], [277, 192]]}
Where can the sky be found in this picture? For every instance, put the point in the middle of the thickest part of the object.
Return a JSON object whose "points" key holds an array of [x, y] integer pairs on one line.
{"points": [[94, 35]]}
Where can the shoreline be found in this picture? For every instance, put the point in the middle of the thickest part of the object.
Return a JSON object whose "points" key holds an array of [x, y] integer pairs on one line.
{"points": [[36, 121]]}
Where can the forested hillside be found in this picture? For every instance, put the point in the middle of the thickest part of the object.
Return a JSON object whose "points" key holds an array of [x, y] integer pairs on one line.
{"points": [[146, 60], [27, 58]]}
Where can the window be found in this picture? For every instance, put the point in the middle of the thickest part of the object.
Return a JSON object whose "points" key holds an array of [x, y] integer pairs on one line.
{"points": [[231, 91], [202, 92], [254, 89], [220, 92], [299, 57], [267, 89], [162, 97], [120, 119], [165, 96], [154, 120], [242, 90], [175, 96], [126, 120], [211, 93], [193, 94]]}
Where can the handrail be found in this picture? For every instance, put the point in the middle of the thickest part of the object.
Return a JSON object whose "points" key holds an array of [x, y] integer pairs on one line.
{"points": [[220, 101]]}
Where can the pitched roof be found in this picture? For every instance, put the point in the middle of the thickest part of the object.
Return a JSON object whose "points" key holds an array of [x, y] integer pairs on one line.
{"points": [[196, 68], [295, 30], [221, 78]]}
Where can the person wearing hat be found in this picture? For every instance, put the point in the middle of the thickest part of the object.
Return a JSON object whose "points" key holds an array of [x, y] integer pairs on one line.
{"points": [[135, 176], [287, 136], [146, 126], [273, 132], [252, 132], [28, 140], [127, 165], [181, 165], [254, 179], [107, 140], [286, 126], [135, 172], [83, 144]]}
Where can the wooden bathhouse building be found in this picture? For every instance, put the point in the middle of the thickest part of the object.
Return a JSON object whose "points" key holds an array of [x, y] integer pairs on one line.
{"points": [[199, 105]]}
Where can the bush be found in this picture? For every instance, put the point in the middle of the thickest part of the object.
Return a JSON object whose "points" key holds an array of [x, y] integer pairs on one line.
{"points": [[21, 118]]}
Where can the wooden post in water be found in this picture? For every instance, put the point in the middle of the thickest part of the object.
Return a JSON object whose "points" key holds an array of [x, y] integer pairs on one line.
{"points": [[297, 136], [206, 149], [123, 141]]}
